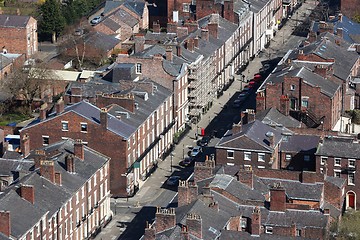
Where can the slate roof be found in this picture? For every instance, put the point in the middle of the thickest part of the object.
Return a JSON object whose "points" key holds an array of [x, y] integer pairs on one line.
{"points": [[272, 116], [339, 182], [326, 48], [8, 166], [257, 5], [135, 6], [101, 41], [327, 87], [339, 147], [110, 5], [302, 219], [125, 17], [228, 234], [8, 58], [15, 21], [350, 28], [252, 138], [92, 113], [108, 22], [49, 197], [296, 189], [299, 143]]}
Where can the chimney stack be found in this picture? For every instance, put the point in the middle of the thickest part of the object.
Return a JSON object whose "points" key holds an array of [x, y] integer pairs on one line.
{"points": [[246, 176], [139, 40], [5, 226], [169, 54], [196, 42], [60, 106], [184, 234], [320, 70], [256, 222], [58, 179], [27, 192], [247, 116], [25, 145], [271, 140], [104, 118], [190, 44], [150, 232], [178, 50], [284, 105], [205, 34], [339, 32], [165, 219], [194, 225], [39, 155], [187, 193], [156, 27], [79, 149], [236, 128], [47, 170], [70, 163], [42, 114], [340, 17], [204, 170], [213, 29], [277, 198]]}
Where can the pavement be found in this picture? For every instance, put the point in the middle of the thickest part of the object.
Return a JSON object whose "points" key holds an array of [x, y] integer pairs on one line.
{"points": [[126, 209]]}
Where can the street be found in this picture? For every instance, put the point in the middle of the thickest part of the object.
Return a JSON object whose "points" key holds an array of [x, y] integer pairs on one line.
{"points": [[130, 215]]}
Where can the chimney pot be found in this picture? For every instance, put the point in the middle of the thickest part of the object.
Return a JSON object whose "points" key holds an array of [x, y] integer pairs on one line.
{"points": [[194, 225], [79, 149], [205, 34]]}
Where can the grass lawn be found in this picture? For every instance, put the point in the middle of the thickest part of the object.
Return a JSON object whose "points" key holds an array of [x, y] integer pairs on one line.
{"points": [[27, 11], [12, 117]]}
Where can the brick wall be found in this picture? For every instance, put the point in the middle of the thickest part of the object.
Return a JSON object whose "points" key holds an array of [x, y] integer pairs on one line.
{"points": [[238, 160]]}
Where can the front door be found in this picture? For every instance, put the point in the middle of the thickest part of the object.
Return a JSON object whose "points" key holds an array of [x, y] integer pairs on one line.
{"points": [[351, 200]]}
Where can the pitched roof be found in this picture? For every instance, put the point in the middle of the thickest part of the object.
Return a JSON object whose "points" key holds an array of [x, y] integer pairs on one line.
{"points": [[125, 17], [101, 41], [273, 116], [299, 143], [15, 21], [110, 23], [303, 219], [252, 137], [339, 147], [14, 165]]}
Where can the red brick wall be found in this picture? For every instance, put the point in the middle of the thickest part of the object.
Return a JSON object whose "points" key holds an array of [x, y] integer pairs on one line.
{"points": [[238, 160], [105, 142], [347, 7], [207, 7]]}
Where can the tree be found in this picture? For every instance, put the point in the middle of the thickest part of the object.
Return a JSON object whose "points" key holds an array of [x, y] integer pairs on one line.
{"points": [[27, 85], [349, 226], [52, 22]]}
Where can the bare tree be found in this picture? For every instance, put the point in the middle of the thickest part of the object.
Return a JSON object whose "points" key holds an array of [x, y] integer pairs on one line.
{"points": [[28, 85]]}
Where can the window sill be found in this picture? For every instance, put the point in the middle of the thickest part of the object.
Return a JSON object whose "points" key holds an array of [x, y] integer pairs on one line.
{"points": [[64, 130], [83, 131]]}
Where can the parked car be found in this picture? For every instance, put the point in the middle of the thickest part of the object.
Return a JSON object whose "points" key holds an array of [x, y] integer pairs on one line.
{"points": [[237, 103], [188, 161], [173, 181], [204, 141], [195, 151], [95, 20]]}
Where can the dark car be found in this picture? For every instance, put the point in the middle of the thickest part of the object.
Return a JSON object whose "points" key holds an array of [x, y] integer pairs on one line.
{"points": [[188, 161], [173, 181], [204, 141]]}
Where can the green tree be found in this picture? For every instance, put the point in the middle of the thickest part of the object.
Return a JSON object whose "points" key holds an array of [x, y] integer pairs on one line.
{"points": [[52, 22], [349, 226]]}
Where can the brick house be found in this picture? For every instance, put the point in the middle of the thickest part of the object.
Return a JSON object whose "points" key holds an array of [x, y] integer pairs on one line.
{"points": [[18, 34], [303, 94], [10, 168], [254, 144], [9, 62], [347, 7], [339, 157], [254, 204], [95, 46], [66, 194], [137, 131]]}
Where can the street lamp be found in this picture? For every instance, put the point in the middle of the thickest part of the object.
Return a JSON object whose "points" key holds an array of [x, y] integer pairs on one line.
{"points": [[171, 161], [242, 80]]}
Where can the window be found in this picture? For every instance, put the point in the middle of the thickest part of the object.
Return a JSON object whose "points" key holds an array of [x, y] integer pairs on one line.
{"points": [[268, 230], [306, 158], [138, 68], [247, 156], [186, 7], [261, 157], [230, 154], [321, 170], [83, 192], [64, 125], [45, 140], [337, 162], [337, 173], [298, 232], [288, 157], [292, 87], [351, 163], [323, 160], [243, 223], [351, 178], [83, 127], [305, 102]]}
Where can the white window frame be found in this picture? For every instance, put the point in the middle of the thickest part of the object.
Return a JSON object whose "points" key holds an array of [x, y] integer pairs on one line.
{"points": [[337, 172], [323, 160], [321, 170], [303, 100], [288, 157], [65, 123], [351, 183], [227, 154], [138, 68], [268, 230], [81, 127], [337, 159], [292, 87], [43, 140], [246, 154], [351, 161], [298, 232], [263, 157], [186, 7], [261, 167]]}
